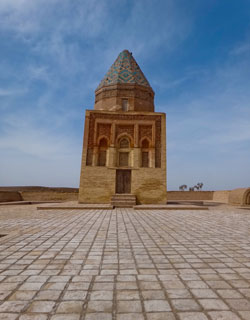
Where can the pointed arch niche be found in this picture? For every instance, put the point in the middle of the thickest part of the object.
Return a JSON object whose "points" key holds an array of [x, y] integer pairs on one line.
{"points": [[145, 152], [102, 151], [124, 150]]}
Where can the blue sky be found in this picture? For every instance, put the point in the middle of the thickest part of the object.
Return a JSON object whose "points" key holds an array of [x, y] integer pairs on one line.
{"points": [[195, 54]]}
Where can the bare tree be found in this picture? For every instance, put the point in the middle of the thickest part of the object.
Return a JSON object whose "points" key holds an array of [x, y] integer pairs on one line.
{"points": [[199, 185], [183, 187]]}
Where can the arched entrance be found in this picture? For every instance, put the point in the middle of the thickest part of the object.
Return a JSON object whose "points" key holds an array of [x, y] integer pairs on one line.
{"points": [[247, 197]]}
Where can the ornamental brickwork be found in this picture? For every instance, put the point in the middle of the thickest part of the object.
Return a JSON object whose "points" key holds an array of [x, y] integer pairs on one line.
{"points": [[124, 149]]}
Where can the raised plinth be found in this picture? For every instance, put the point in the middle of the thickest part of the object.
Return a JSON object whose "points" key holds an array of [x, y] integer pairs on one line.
{"points": [[123, 200]]}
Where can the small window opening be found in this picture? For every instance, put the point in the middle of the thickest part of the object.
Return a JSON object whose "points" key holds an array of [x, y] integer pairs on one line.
{"points": [[102, 158], [145, 161], [89, 157], [145, 144], [145, 153], [103, 145], [124, 104]]}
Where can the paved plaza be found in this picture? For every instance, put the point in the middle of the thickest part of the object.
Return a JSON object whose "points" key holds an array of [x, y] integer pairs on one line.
{"points": [[124, 264]]}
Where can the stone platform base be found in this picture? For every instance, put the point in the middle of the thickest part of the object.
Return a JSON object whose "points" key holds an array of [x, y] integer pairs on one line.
{"points": [[76, 207], [15, 203], [169, 207], [73, 205]]}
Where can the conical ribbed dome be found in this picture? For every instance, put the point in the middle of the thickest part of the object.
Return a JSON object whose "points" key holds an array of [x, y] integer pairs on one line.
{"points": [[124, 70]]}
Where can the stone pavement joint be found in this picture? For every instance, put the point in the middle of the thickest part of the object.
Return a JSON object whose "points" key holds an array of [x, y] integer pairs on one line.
{"points": [[124, 264]]}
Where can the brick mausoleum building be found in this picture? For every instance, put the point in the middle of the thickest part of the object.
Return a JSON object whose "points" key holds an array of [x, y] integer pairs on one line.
{"points": [[124, 147]]}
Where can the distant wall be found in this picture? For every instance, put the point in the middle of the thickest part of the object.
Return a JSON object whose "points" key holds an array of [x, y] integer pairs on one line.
{"points": [[6, 196], [49, 196], [190, 195], [240, 196], [217, 196], [221, 196]]}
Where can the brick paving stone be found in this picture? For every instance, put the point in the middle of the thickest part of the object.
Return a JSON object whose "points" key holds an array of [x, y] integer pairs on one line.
{"points": [[244, 315], [229, 293], [70, 307], [219, 284], [101, 295], [192, 316], [9, 316], [178, 293], [30, 286], [54, 286], [185, 305], [156, 305], [161, 316], [4, 294], [126, 285], [74, 295], [34, 317], [204, 293], [41, 306], [41, 279], [8, 286], [100, 306], [125, 264], [129, 306], [196, 284], [98, 316], [127, 295], [65, 317], [213, 304], [153, 294], [130, 316], [173, 284], [22, 295], [47, 295], [245, 292], [103, 286], [239, 304], [12, 306], [223, 315]]}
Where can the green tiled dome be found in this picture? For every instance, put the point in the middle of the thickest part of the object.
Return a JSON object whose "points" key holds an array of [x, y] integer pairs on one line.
{"points": [[124, 70]]}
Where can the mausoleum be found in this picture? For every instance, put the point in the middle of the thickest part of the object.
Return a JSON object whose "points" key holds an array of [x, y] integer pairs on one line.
{"points": [[124, 145]]}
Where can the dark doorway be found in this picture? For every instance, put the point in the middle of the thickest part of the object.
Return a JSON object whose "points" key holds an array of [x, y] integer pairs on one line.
{"points": [[123, 181]]}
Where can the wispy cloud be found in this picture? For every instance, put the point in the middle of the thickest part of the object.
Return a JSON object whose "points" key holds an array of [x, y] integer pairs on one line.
{"points": [[55, 52], [12, 91], [241, 49], [209, 128]]}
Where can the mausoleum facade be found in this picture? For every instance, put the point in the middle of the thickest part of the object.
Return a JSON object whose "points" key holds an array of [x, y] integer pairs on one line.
{"points": [[124, 147]]}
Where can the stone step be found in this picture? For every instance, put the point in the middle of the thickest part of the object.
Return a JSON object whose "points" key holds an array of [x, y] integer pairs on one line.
{"points": [[123, 196], [130, 203], [123, 200], [123, 206]]}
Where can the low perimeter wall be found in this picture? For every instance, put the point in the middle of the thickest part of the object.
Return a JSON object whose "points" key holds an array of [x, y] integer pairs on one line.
{"points": [[221, 196], [38, 194], [234, 197], [49, 196], [6, 196], [217, 196], [190, 195]]}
